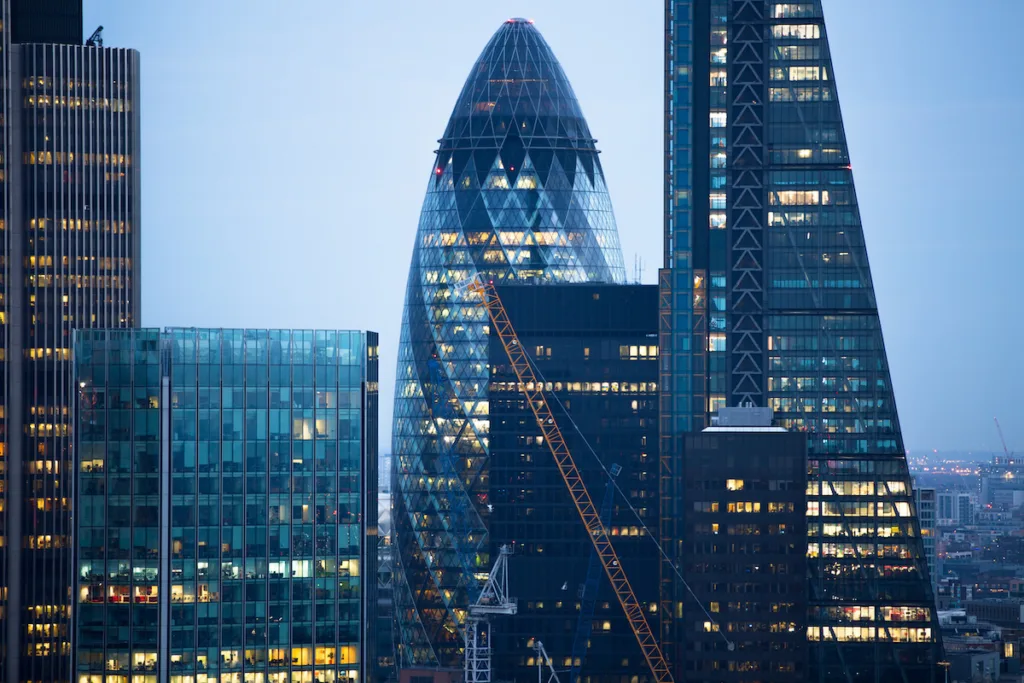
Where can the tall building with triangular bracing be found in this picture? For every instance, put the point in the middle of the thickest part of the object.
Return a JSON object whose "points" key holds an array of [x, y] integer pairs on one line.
{"points": [[516, 194], [766, 299]]}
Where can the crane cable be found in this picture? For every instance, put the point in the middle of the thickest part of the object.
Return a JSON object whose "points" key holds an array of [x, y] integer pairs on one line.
{"points": [[629, 503]]}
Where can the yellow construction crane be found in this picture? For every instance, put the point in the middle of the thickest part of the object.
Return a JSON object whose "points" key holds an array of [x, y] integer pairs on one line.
{"points": [[597, 532]]}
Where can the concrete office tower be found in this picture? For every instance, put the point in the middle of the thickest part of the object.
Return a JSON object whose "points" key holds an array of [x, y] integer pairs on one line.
{"points": [[69, 213], [227, 506], [768, 301], [516, 193], [742, 498]]}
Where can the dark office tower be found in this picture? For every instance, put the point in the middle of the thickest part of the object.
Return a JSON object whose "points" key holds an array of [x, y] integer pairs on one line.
{"points": [[226, 507], [768, 300], [743, 504], [595, 348], [69, 196], [516, 194], [46, 21]]}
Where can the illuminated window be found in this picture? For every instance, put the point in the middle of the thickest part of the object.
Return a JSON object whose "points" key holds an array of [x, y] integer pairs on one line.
{"points": [[799, 73], [526, 182], [734, 484], [496, 182], [797, 31], [800, 197], [791, 10]]}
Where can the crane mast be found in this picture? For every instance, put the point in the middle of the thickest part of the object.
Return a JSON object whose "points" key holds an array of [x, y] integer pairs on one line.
{"points": [[493, 600], [589, 515]]}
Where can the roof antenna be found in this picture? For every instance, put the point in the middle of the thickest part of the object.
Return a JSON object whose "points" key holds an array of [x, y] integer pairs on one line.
{"points": [[638, 269], [96, 39]]}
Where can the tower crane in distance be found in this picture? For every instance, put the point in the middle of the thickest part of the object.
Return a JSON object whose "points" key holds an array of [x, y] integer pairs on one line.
{"points": [[589, 515], [1002, 439], [493, 600]]}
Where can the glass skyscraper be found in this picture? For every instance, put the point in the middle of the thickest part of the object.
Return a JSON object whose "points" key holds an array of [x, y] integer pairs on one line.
{"points": [[69, 254], [226, 513], [516, 194], [767, 300]]}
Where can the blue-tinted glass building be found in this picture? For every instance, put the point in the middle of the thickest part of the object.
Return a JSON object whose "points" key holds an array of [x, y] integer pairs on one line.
{"points": [[516, 194], [767, 300], [226, 506]]}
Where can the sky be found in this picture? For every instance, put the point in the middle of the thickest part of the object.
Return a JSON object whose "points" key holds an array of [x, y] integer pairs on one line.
{"points": [[286, 148]]}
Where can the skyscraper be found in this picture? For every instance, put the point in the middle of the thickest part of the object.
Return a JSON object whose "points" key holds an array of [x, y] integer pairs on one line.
{"points": [[226, 507], [924, 500], [69, 206], [516, 194], [742, 499], [767, 300], [595, 348]]}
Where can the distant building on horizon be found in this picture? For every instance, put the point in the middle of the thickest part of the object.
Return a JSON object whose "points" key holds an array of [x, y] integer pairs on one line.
{"points": [[384, 473], [70, 221], [925, 501], [954, 508], [226, 517], [384, 618], [1001, 483], [767, 300]]}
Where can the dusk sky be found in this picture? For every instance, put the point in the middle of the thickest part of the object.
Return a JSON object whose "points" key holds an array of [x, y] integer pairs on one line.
{"points": [[287, 147]]}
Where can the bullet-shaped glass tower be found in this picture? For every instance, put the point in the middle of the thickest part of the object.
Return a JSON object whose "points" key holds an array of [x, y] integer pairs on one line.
{"points": [[516, 194]]}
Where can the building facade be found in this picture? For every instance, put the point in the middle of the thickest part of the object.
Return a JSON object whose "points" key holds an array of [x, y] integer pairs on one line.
{"points": [[595, 347], [965, 509], [926, 503], [226, 513], [1001, 483], [516, 194], [743, 501], [954, 508], [946, 508], [69, 213], [46, 21], [384, 621], [767, 300]]}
